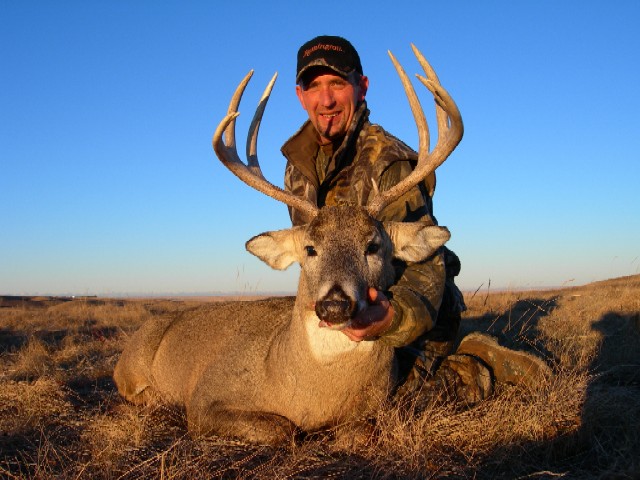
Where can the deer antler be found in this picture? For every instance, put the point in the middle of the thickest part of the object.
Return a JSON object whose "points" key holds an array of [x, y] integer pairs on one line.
{"points": [[250, 173], [450, 130]]}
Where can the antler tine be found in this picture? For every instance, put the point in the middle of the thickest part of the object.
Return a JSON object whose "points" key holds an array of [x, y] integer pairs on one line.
{"points": [[250, 173], [230, 132], [450, 126], [416, 107], [252, 138], [441, 115], [450, 131]]}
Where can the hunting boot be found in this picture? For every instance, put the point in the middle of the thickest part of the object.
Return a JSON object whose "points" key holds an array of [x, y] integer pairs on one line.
{"points": [[508, 366], [470, 374]]}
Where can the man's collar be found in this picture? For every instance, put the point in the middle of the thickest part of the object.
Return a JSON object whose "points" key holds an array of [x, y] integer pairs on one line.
{"points": [[301, 149], [361, 116]]}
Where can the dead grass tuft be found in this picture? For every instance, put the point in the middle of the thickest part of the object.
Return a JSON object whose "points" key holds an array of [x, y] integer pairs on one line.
{"points": [[33, 361]]}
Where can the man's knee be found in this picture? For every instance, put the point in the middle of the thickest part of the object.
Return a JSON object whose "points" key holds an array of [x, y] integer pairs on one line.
{"points": [[464, 379], [460, 380]]}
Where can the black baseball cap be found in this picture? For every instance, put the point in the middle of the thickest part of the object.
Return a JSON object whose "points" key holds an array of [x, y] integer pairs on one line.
{"points": [[328, 51]]}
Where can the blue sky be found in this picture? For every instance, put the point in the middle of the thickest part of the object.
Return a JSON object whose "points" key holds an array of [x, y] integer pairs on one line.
{"points": [[109, 185]]}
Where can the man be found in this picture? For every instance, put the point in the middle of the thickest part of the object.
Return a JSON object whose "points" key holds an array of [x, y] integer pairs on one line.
{"points": [[339, 157]]}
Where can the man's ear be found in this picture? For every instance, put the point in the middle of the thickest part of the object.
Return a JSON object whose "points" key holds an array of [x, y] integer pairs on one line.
{"points": [[279, 248], [300, 97], [363, 86], [416, 241]]}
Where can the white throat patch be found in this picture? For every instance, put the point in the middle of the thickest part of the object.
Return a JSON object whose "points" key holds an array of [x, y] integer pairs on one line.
{"points": [[326, 344]]}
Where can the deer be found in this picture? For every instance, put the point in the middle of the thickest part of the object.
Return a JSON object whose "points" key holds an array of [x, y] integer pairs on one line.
{"points": [[261, 370]]}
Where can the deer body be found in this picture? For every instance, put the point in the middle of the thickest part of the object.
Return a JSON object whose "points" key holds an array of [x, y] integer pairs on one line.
{"points": [[259, 370], [246, 354], [269, 360]]}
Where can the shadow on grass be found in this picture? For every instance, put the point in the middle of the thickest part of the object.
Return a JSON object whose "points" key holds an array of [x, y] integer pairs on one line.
{"points": [[606, 443], [517, 327]]}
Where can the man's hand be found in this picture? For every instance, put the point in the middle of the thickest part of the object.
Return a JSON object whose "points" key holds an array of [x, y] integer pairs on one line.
{"points": [[373, 320]]}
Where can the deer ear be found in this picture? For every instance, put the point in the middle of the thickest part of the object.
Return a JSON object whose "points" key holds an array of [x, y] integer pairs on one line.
{"points": [[416, 241], [279, 248]]}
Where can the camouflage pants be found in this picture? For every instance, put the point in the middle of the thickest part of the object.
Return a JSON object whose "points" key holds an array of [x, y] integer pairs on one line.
{"points": [[429, 369]]}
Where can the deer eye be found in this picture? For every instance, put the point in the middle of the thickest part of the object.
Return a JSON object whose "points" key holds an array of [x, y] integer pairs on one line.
{"points": [[372, 248], [311, 252]]}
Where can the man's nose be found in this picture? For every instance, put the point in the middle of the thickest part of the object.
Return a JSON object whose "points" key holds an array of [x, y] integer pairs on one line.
{"points": [[326, 97]]}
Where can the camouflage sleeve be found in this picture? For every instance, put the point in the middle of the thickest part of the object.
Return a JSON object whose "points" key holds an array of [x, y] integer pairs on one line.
{"points": [[417, 293], [293, 184]]}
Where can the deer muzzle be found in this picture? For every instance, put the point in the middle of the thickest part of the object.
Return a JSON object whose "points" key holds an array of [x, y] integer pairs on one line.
{"points": [[336, 307]]}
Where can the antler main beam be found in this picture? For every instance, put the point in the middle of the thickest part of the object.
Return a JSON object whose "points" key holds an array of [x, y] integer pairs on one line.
{"points": [[450, 131], [224, 144]]}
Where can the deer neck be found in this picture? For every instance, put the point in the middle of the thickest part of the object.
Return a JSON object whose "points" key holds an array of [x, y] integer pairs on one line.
{"points": [[322, 344]]}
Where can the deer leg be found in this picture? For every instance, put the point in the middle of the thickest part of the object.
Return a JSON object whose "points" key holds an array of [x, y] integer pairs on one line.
{"points": [[250, 426], [354, 435]]}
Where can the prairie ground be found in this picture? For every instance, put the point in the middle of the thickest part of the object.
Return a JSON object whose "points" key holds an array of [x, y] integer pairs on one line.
{"points": [[61, 416]]}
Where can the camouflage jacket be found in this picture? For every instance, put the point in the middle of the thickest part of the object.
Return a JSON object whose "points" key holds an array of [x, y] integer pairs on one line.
{"points": [[369, 159]]}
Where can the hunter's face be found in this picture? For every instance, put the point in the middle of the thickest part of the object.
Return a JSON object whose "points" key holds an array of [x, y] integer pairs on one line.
{"points": [[331, 101]]}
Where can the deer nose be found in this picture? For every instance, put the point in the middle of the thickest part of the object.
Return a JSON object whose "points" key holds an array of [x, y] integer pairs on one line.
{"points": [[335, 306]]}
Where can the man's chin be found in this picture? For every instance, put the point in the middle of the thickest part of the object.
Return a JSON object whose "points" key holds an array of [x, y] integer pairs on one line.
{"points": [[331, 132]]}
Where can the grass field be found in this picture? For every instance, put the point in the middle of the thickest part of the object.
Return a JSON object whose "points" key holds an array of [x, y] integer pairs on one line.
{"points": [[61, 416]]}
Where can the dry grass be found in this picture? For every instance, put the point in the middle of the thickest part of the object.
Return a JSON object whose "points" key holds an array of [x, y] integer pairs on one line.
{"points": [[60, 416]]}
